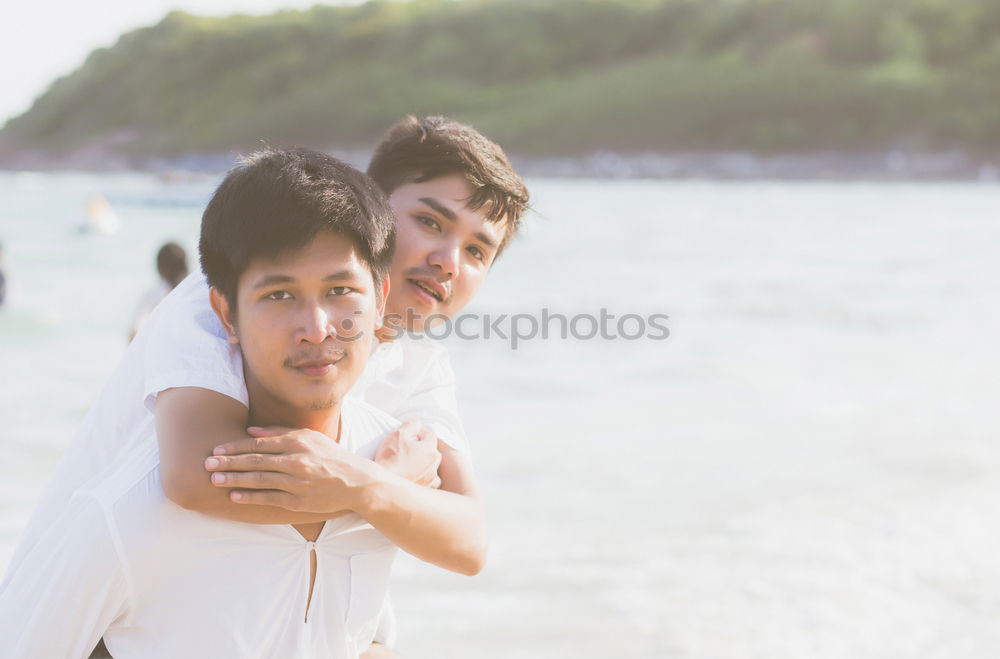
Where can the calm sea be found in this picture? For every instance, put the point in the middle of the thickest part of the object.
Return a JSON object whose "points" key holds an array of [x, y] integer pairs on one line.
{"points": [[809, 466]]}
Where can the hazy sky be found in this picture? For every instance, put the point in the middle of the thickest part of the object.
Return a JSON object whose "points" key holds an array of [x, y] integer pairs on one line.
{"points": [[42, 40]]}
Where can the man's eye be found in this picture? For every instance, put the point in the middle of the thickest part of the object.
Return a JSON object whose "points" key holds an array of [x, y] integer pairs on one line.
{"points": [[341, 290], [278, 295], [477, 253], [428, 221]]}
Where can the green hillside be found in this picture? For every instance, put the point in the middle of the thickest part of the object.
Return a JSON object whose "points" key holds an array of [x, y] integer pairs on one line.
{"points": [[544, 77]]}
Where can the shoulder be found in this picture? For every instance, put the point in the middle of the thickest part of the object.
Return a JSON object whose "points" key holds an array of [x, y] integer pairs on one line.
{"points": [[185, 345], [187, 306]]}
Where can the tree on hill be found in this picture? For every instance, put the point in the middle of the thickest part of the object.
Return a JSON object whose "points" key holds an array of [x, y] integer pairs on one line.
{"points": [[543, 77]]}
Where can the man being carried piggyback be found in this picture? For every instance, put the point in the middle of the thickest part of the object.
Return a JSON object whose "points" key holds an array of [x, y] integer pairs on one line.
{"points": [[456, 202]]}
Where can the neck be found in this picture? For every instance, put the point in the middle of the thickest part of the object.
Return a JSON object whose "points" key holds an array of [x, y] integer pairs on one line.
{"points": [[386, 334], [391, 328], [396, 324], [265, 411], [326, 422]]}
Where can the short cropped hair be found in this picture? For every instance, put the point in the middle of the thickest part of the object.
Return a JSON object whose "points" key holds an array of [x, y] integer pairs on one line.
{"points": [[276, 200], [420, 149]]}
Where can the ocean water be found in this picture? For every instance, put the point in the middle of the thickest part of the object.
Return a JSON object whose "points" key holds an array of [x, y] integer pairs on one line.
{"points": [[809, 466]]}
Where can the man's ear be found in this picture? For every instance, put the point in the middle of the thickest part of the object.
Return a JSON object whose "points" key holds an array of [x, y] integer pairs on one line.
{"points": [[220, 305], [380, 303]]}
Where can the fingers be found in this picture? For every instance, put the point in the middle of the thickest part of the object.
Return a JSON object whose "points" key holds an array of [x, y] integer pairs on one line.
{"points": [[429, 479], [431, 446], [389, 446], [409, 430], [254, 480], [251, 462], [434, 480], [265, 498], [253, 445], [435, 460], [432, 473], [268, 431]]}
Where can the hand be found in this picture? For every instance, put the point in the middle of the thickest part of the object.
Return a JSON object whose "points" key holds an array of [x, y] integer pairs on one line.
{"points": [[411, 451], [300, 470]]}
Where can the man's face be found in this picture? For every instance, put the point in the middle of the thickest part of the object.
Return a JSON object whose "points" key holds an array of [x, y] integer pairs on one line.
{"points": [[443, 249], [289, 310]]}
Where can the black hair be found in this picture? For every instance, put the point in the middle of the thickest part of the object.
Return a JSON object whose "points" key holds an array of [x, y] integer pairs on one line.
{"points": [[277, 200]]}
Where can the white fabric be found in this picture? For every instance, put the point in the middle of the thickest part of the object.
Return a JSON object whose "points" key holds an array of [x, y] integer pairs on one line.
{"points": [[411, 378], [156, 580], [152, 297]]}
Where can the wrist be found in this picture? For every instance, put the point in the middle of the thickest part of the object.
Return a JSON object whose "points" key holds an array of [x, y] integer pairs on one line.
{"points": [[367, 490]]}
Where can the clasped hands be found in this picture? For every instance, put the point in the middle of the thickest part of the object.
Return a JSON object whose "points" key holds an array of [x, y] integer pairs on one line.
{"points": [[306, 471]]}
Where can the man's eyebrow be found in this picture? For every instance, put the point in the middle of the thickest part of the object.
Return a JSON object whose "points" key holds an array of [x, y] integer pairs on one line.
{"points": [[342, 275], [439, 207], [486, 240], [271, 280]]}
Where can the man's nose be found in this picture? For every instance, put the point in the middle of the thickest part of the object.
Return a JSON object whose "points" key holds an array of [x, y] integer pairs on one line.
{"points": [[316, 324], [446, 258]]}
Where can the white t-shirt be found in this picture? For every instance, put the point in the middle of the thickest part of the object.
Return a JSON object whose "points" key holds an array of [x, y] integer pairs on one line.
{"points": [[159, 581], [183, 344], [149, 300]]}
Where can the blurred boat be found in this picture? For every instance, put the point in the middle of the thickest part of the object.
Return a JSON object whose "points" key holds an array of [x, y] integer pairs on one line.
{"points": [[100, 218]]}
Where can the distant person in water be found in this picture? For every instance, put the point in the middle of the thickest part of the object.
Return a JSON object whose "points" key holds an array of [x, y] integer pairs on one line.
{"points": [[171, 264], [100, 218], [3, 279]]}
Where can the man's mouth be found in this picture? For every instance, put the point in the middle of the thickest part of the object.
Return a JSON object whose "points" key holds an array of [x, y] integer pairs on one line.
{"points": [[433, 289], [316, 367]]}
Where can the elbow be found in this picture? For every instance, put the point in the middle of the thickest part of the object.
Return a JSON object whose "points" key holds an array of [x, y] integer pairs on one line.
{"points": [[471, 568], [182, 493], [471, 558], [181, 497], [472, 561]]}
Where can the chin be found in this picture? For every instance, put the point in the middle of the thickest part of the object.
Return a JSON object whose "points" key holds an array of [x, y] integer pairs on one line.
{"points": [[322, 404], [423, 307], [424, 326]]}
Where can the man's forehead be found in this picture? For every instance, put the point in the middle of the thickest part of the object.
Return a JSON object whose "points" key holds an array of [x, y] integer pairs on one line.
{"points": [[327, 256]]}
